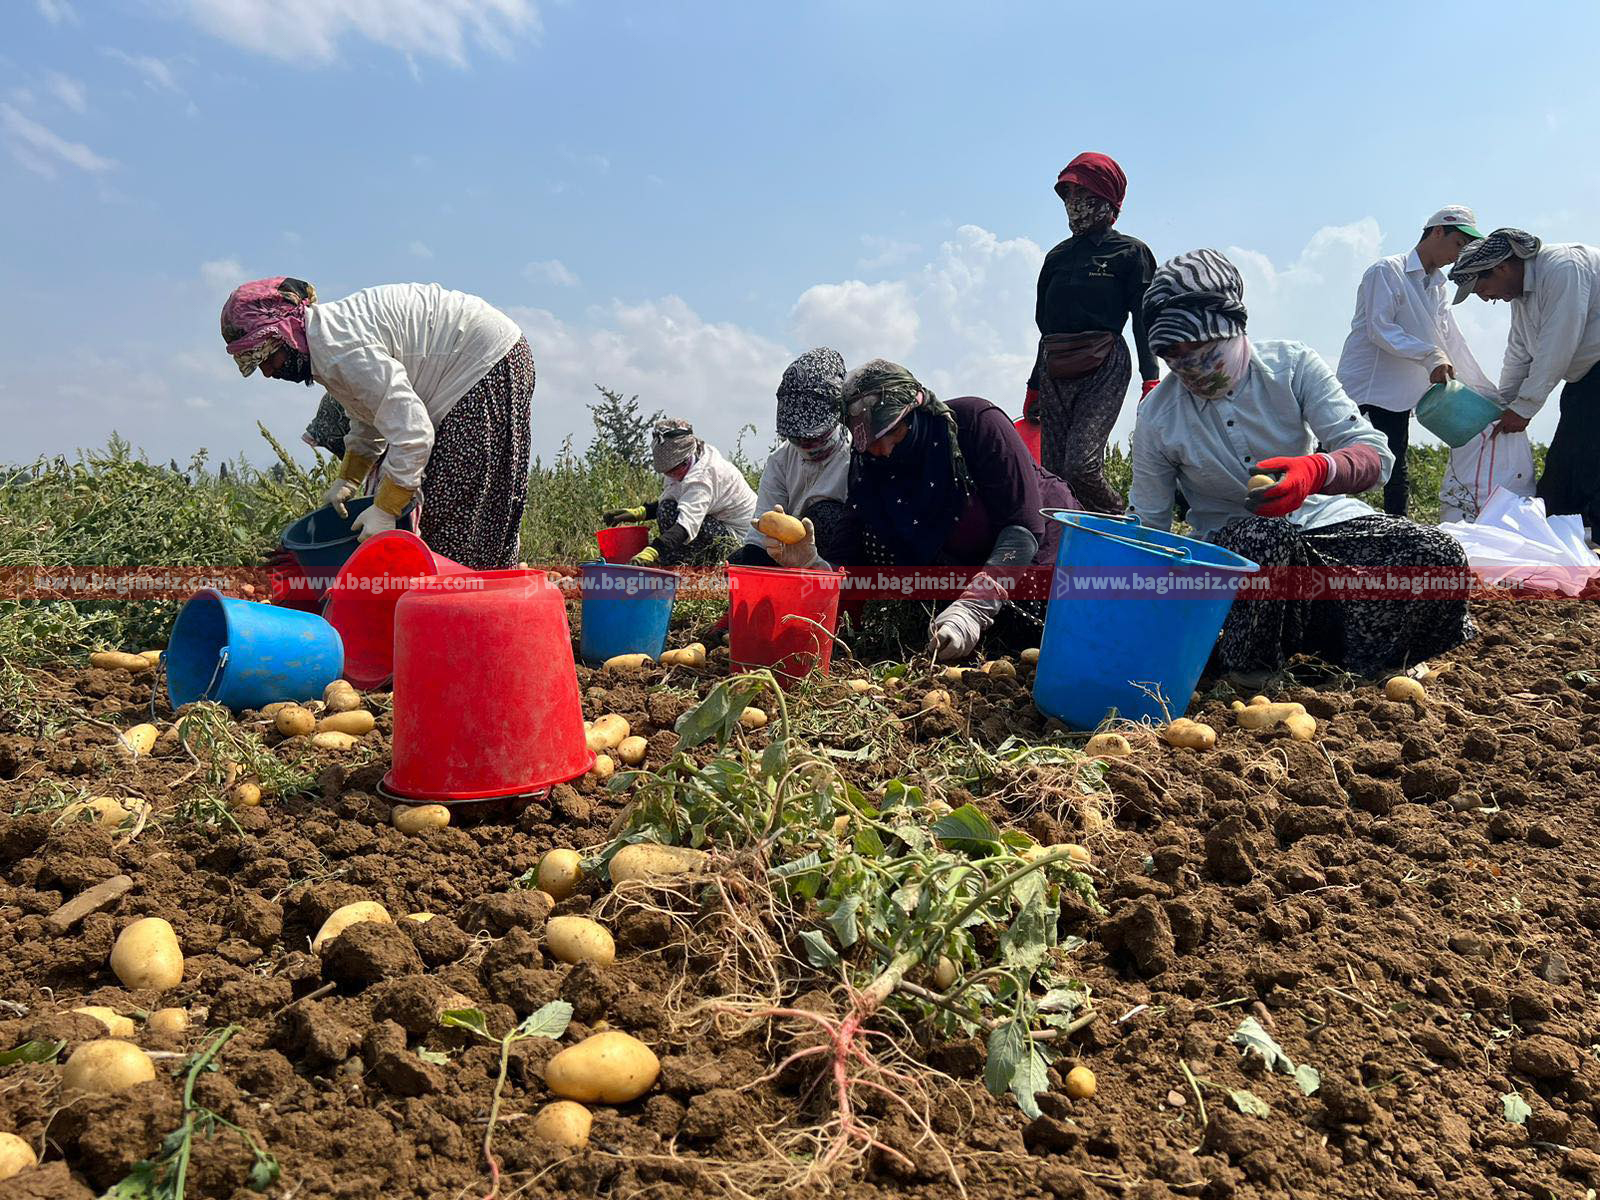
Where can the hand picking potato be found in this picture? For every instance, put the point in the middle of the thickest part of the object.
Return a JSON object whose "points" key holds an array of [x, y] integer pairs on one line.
{"points": [[334, 741], [604, 767], [577, 939], [1403, 688], [146, 956], [115, 660], [781, 527], [138, 740], [752, 718], [607, 732], [564, 1123], [16, 1156], [1107, 745], [168, 1022], [611, 1067], [351, 914], [294, 720], [644, 860], [1192, 735], [105, 1067], [355, 722], [412, 819], [560, 872], [626, 662], [116, 1025], [632, 750]]}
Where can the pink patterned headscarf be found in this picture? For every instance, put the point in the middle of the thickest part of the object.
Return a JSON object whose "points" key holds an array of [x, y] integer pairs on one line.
{"points": [[264, 314]]}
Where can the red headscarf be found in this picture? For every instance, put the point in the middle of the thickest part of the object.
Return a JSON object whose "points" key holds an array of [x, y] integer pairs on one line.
{"points": [[1097, 174], [267, 309]]}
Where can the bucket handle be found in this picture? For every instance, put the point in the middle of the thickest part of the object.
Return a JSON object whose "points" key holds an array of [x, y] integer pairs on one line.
{"points": [[222, 661], [1176, 553]]}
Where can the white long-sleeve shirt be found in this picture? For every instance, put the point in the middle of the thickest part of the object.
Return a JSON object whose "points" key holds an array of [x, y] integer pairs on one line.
{"points": [[1402, 331], [794, 481], [1555, 326], [713, 487], [397, 358]]}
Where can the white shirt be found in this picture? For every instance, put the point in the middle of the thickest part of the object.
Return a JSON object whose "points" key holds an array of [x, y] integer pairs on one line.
{"points": [[792, 480], [1288, 404], [714, 488], [1401, 331], [1555, 326], [397, 358]]}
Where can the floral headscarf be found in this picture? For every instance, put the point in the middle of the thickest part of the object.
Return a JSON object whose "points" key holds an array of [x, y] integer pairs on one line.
{"points": [[262, 315]]}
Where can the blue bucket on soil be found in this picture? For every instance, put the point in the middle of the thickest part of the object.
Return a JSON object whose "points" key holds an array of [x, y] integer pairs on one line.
{"points": [[625, 610], [322, 541], [1454, 413], [244, 654], [1133, 616]]}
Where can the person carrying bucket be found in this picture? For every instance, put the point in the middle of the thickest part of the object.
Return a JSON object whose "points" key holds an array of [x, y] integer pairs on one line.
{"points": [[1555, 336], [705, 505], [436, 383], [1231, 409], [951, 484], [808, 476]]}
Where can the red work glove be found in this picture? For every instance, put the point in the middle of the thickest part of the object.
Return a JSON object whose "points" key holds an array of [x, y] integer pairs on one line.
{"points": [[1028, 401], [1302, 475], [1148, 387]]}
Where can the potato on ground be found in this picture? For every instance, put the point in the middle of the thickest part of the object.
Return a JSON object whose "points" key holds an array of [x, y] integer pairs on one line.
{"points": [[560, 872], [1107, 745], [1081, 1083], [574, 940], [413, 819], [632, 750], [645, 860], [168, 1022], [16, 1155], [146, 956], [342, 918], [116, 1025], [610, 1067], [607, 732], [116, 660], [564, 1123], [105, 1067], [294, 720], [355, 722]]}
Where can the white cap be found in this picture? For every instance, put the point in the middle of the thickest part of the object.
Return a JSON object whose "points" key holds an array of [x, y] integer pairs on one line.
{"points": [[1455, 216]]}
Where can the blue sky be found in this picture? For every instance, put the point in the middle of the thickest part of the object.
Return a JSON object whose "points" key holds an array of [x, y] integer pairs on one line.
{"points": [[674, 198]]}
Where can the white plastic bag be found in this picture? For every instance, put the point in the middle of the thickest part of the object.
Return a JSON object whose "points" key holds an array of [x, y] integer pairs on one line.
{"points": [[1489, 461], [1512, 539]]}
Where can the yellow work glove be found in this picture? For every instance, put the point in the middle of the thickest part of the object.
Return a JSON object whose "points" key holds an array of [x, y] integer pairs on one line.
{"points": [[392, 498], [648, 557]]}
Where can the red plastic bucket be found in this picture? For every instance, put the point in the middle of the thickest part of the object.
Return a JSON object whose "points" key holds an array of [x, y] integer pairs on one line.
{"points": [[362, 600], [485, 691], [782, 619], [1028, 431], [621, 542]]}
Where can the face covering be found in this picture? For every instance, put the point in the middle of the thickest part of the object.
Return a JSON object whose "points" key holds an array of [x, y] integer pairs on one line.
{"points": [[829, 446], [296, 367], [1086, 213], [1213, 369]]}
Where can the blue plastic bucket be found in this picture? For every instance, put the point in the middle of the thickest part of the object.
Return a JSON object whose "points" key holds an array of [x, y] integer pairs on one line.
{"points": [[244, 655], [1454, 413], [1133, 616], [625, 610], [322, 541]]}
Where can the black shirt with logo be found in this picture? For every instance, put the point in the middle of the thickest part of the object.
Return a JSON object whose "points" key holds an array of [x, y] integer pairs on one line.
{"points": [[1092, 284]]}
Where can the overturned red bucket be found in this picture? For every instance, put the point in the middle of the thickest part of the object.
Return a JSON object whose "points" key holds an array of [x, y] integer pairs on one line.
{"points": [[485, 691]]}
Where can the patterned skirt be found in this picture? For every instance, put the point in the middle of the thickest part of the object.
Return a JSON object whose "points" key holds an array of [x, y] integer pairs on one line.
{"points": [[1363, 636], [715, 542], [1075, 419], [475, 485]]}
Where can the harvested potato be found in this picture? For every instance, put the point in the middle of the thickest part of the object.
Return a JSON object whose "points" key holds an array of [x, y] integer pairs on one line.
{"points": [[1265, 716], [781, 527], [626, 662], [752, 718], [607, 732], [340, 697], [104, 811], [115, 660], [1077, 855], [413, 819], [1081, 1083], [564, 1123], [1302, 727], [1030, 656], [146, 956], [560, 872], [245, 795], [611, 1067], [168, 1022], [16, 1156], [859, 686], [578, 939], [692, 655], [351, 914], [936, 698], [1404, 688], [632, 750], [355, 722], [944, 974], [294, 720], [334, 741], [604, 767], [645, 860], [956, 674], [421, 918], [153, 657], [105, 1067], [840, 827], [138, 740], [1000, 669], [1190, 735], [116, 1025], [1107, 745], [1258, 482]]}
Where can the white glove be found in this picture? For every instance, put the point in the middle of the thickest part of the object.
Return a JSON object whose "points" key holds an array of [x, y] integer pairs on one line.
{"points": [[337, 494], [956, 631], [373, 520], [798, 555]]}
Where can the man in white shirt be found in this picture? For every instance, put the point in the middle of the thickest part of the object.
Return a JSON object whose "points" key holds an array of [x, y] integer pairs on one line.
{"points": [[1555, 336], [1403, 338]]}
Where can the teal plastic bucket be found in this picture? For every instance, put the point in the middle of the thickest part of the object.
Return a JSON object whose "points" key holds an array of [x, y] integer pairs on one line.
{"points": [[1133, 616], [245, 655], [626, 610], [1454, 413]]}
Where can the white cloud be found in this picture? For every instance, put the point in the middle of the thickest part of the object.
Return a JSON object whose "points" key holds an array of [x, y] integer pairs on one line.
{"points": [[57, 12], [156, 73], [311, 30], [859, 320], [884, 252], [69, 91], [550, 270], [40, 149], [222, 274], [420, 249]]}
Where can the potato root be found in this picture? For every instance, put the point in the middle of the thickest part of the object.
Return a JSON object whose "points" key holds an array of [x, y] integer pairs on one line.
{"points": [[351, 914], [645, 860], [1107, 745], [104, 1067], [611, 1067], [115, 660], [294, 720], [781, 527], [574, 940], [560, 872], [355, 722], [413, 819], [146, 956]]}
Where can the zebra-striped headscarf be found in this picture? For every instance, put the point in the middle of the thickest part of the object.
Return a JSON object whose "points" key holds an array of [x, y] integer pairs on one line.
{"points": [[1196, 297]]}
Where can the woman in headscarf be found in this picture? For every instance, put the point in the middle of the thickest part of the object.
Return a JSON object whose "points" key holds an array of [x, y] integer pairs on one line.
{"points": [[1089, 286], [951, 484], [1231, 409], [706, 503], [808, 476], [438, 387]]}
